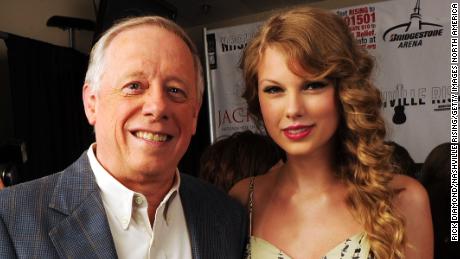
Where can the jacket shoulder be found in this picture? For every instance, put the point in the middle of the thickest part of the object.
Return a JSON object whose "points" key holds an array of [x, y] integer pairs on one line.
{"points": [[40, 191], [23, 194]]}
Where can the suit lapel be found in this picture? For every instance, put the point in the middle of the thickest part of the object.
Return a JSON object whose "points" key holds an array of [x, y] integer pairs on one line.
{"points": [[84, 232], [202, 221], [189, 204]]}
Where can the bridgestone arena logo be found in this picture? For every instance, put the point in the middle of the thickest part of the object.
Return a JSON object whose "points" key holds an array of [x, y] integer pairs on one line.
{"points": [[410, 34], [415, 35]]}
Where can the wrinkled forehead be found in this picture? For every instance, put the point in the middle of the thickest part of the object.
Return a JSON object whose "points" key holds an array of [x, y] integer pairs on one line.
{"points": [[139, 31], [155, 44]]}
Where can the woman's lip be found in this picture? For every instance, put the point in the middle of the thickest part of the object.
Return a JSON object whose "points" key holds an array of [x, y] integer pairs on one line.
{"points": [[297, 132], [298, 126]]}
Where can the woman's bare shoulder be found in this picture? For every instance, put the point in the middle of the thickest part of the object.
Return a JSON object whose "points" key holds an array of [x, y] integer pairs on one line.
{"points": [[413, 203], [240, 191], [410, 193]]}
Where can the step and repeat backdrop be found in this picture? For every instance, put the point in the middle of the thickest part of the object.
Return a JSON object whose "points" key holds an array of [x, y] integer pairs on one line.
{"points": [[410, 41]]}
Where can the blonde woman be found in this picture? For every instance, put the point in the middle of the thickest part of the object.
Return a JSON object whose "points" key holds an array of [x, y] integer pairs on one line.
{"points": [[337, 194]]}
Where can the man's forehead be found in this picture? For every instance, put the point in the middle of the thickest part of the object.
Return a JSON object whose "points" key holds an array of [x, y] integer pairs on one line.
{"points": [[136, 32], [128, 51], [152, 40]]}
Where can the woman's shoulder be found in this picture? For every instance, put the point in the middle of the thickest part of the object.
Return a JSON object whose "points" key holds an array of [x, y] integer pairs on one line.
{"points": [[411, 197], [413, 203], [240, 191]]}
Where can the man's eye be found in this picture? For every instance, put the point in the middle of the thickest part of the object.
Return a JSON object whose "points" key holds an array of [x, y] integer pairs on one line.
{"points": [[314, 85], [134, 86], [177, 94], [175, 90], [272, 89]]}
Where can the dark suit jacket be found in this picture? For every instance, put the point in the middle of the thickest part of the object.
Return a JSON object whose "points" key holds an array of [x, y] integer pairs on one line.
{"points": [[62, 216]]}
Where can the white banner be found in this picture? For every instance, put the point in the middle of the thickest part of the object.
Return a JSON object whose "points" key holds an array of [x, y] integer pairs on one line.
{"points": [[229, 110], [410, 40]]}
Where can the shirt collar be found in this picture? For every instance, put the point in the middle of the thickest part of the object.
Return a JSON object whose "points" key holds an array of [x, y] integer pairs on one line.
{"points": [[117, 198]]}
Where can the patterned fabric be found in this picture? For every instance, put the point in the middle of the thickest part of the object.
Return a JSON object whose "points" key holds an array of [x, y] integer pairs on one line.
{"points": [[62, 216], [355, 247]]}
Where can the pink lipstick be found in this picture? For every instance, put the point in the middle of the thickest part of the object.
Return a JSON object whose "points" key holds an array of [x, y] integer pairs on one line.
{"points": [[297, 132]]}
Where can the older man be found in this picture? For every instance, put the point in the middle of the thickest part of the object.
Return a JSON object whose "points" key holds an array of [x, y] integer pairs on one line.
{"points": [[124, 197]]}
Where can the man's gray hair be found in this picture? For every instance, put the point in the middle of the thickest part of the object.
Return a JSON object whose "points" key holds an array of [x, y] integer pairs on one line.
{"points": [[96, 60]]}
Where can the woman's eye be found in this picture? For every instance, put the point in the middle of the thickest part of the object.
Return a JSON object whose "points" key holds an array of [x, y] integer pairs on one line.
{"points": [[272, 89], [314, 85]]}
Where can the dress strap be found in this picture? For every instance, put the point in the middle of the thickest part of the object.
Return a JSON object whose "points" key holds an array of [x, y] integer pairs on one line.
{"points": [[250, 209], [251, 202]]}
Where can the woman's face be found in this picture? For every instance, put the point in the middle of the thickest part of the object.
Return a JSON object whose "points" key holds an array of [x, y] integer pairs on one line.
{"points": [[300, 114]]}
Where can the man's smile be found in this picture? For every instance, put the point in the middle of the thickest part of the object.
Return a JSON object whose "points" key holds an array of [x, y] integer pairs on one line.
{"points": [[150, 136]]}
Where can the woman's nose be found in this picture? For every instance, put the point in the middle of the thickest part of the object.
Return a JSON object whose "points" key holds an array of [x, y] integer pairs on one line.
{"points": [[295, 106]]}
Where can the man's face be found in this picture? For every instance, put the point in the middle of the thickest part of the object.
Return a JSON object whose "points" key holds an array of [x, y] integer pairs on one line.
{"points": [[145, 111]]}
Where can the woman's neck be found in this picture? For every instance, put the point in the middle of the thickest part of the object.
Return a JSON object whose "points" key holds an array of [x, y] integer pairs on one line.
{"points": [[310, 173]]}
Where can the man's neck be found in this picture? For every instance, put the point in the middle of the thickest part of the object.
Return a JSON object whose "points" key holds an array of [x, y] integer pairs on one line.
{"points": [[154, 190]]}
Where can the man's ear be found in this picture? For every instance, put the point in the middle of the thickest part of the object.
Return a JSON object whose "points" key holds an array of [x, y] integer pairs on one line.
{"points": [[89, 102]]}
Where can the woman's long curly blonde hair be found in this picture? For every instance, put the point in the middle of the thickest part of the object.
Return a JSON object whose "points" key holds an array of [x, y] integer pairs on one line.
{"points": [[320, 41]]}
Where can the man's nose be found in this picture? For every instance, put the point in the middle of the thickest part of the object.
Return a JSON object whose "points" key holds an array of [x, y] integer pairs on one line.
{"points": [[295, 106], [155, 103]]}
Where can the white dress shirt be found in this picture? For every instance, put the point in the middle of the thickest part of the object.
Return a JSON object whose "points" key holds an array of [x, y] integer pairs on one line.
{"points": [[132, 233]]}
